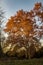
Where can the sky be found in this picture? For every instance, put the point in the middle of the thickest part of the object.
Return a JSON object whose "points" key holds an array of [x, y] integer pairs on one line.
{"points": [[11, 6]]}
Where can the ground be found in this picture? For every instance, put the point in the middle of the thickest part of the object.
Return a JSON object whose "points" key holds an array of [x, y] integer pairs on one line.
{"points": [[12, 61]]}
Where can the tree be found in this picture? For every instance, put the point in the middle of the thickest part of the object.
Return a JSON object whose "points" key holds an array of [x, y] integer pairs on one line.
{"points": [[1, 28], [1, 21], [26, 28]]}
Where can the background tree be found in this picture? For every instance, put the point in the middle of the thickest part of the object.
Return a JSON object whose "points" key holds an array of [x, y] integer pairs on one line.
{"points": [[1, 21], [1, 28]]}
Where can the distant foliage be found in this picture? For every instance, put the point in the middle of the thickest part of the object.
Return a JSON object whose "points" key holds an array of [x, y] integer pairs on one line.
{"points": [[1, 28]]}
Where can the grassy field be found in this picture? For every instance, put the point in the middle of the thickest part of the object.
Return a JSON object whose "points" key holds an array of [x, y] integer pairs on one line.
{"points": [[10, 61]]}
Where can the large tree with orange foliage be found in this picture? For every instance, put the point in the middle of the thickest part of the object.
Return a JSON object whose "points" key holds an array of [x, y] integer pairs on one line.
{"points": [[28, 23], [25, 28]]}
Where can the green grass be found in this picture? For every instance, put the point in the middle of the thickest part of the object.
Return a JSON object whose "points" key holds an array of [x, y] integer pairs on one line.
{"points": [[38, 61]]}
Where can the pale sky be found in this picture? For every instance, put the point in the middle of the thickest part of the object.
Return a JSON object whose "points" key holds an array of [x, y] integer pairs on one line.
{"points": [[11, 6]]}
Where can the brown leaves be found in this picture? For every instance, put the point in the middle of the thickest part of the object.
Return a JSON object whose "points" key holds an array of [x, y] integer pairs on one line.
{"points": [[37, 6]]}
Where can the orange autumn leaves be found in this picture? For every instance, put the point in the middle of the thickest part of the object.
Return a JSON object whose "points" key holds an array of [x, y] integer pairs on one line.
{"points": [[24, 21], [15, 23]]}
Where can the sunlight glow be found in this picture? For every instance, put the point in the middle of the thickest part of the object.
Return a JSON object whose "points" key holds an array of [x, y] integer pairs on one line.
{"points": [[6, 35], [41, 41]]}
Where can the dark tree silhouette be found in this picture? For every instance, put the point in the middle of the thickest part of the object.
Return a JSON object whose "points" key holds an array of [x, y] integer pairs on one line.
{"points": [[1, 28]]}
